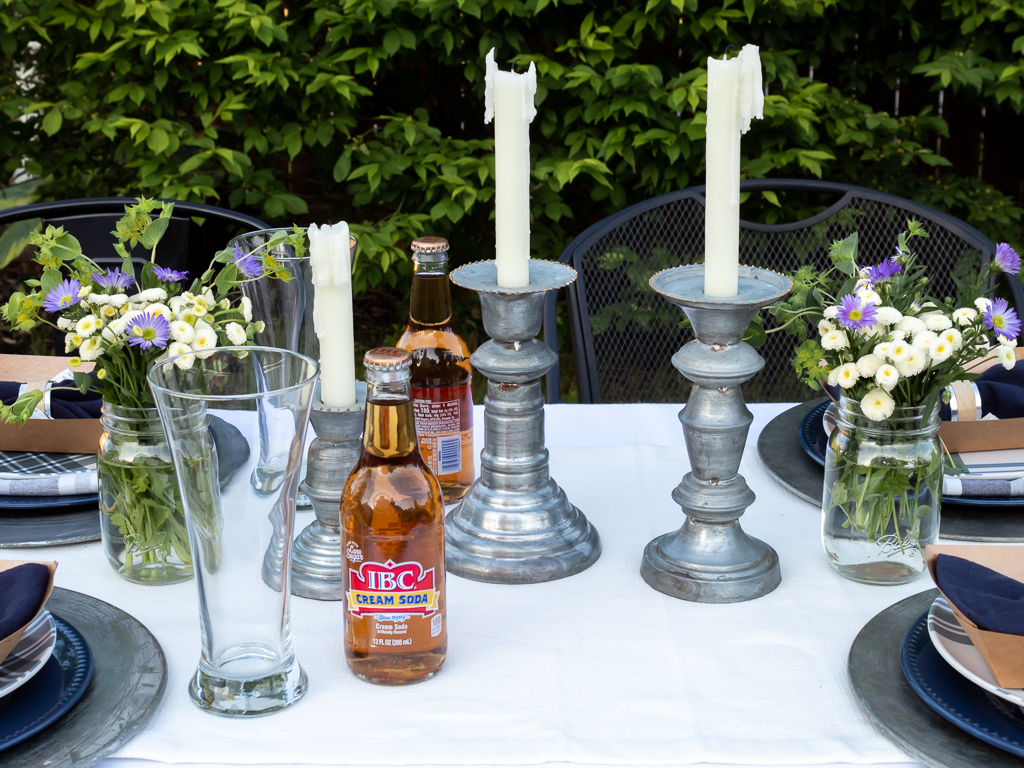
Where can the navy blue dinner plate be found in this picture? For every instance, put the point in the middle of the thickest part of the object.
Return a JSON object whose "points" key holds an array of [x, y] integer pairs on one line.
{"points": [[51, 693], [956, 698], [47, 502], [814, 442]]}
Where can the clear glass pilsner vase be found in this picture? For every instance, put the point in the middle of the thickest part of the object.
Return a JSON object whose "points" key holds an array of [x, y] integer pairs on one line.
{"points": [[235, 421], [883, 493], [142, 520]]}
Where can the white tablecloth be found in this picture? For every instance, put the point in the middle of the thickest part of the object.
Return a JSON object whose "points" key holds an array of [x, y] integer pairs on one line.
{"points": [[594, 670]]}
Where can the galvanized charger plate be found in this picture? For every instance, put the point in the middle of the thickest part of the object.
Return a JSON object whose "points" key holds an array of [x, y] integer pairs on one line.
{"points": [[45, 528], [887, 698], [780, 451], [129, 677]]}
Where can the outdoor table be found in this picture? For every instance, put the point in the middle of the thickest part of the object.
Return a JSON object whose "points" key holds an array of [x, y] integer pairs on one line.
{"points": [[593, 670]]}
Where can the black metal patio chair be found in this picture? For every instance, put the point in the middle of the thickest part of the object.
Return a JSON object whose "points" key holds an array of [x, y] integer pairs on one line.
{"points": [[188, 243], [624, 335]]}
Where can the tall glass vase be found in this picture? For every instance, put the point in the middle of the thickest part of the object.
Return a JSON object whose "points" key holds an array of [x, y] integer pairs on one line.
{"points": [[883, 493], [142, 521], [286, 308], [240, 514]]}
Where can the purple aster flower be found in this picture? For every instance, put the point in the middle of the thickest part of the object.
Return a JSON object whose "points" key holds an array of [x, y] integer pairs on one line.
{"points": [[1001, 319], [169, 275], [148, 330], [855, 313], [63, 296], [1007, 259], [115, 279], [247, 263], [882, 272]]}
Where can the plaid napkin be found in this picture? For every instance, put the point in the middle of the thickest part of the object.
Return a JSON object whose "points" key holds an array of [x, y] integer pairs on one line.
{"points": [[26, 473]]}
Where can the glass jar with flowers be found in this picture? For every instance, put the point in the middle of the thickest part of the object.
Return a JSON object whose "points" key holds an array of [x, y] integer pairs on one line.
{"points": [[888, 350], [122, 322]]}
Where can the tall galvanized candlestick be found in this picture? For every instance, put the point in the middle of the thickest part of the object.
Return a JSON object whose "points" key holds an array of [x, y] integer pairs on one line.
{"points": [[317, 557], [710, 559], [515, 525]]}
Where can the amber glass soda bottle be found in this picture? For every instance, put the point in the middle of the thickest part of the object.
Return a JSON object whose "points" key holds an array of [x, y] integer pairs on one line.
{"points": [[442, 378], [392, 539]]}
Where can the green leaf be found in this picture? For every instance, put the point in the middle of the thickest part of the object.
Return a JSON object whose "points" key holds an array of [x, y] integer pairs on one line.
{"points": [[158, 140], [52, 121], [83, 381], [844, 254], [392, 41], [772, 198], [755, 335], [343, 167], [154, 232], [15, 239]]}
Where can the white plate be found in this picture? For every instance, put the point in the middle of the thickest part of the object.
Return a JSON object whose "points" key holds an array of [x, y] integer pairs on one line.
{"points": [[956, 647], [30, 654]]}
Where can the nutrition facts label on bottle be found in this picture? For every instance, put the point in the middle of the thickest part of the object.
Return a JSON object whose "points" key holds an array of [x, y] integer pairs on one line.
{"points": [[438, 426]]}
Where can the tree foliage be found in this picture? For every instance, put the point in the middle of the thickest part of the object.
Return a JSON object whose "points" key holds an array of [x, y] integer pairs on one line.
{"points": [[372, 110]]}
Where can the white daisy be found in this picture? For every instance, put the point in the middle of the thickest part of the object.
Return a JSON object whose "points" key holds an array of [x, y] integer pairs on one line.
{"points": [[176, 348], [182, 332], [205, 339], [835, 340], [898, 351], [1006, 357], [940, 351], [869, 297], [1005, 342], [952, 336], [847, 375], [108, 312], [915, 362], [877, 405], [84, 291], [925, 339], [150, 294], [965, 316], [982, 304], [91, 348], [160, 309], [260, 325], [246, 305], [911, 325], [898, 335], [831, 312], [87, 326], [65, 324], [118, 300], [235, 334], [882, 350], [99, 298], [937, 322], [888, 315], [886, 377], [868, 365]]}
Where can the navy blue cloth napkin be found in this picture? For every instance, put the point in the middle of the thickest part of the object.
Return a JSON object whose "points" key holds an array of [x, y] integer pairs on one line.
{"points": [[1002, 393], [22, 590], [64, 403], [992, 601]]}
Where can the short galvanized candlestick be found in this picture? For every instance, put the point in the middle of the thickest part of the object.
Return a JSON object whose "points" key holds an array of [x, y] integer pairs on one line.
{"points": [[515, 525], [710, 559], [316, 556]]}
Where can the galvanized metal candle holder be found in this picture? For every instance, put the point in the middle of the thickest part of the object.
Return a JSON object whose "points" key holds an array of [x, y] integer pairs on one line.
{"points": [[710, 559], [316, 556], [515, 525]]}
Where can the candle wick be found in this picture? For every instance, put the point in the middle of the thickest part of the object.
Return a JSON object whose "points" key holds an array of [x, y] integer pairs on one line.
{"points": [[724, 55], [515, 64]]}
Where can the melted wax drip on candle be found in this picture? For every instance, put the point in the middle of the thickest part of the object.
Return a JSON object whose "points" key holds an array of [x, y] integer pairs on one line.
{"points": [[509, 101], [330, 257], [735, 97]]}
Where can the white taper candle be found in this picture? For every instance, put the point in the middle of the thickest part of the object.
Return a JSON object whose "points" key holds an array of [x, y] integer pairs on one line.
{"points": [[734, 97], [331, 260], [508, 101]]}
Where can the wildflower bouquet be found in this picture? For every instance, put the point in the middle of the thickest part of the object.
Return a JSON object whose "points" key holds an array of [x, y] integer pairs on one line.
{"points": [[125, 321], [892, 349]]}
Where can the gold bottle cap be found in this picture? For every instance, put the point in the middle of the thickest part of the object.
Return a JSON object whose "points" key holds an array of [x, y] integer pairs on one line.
{"points": [[387, 359], [429, 244]]}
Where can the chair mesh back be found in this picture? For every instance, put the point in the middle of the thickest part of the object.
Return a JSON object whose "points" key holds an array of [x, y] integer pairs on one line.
{"points": [[635, 333]]}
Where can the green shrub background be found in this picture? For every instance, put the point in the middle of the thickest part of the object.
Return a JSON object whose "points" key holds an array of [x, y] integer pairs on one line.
{"points": [[372, 110]]}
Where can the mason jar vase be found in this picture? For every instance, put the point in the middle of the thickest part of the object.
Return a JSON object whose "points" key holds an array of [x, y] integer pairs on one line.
{"points": [[142, 520], [883, 493]]}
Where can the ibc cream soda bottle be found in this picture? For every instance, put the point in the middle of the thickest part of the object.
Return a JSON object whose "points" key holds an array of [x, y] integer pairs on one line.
{"points": [[392, 539], [442, 389]]}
